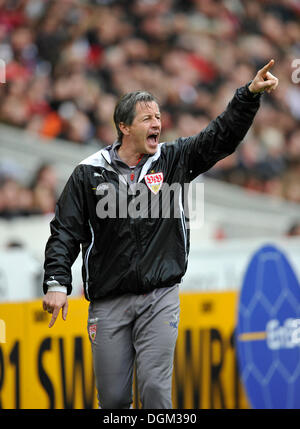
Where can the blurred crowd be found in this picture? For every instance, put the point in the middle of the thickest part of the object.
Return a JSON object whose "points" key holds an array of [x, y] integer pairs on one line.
{"points": [[68, 62], [36, 198]]}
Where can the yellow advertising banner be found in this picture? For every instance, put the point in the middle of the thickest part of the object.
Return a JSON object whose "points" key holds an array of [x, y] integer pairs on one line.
{"points": [[205, 368], [44, 368]]}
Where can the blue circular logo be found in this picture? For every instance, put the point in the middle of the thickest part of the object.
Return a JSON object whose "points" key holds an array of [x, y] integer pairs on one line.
{"points": [[268, 331]]}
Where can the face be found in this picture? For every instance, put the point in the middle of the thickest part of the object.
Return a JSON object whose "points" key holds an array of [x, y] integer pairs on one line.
{"points": [[145, 129]]}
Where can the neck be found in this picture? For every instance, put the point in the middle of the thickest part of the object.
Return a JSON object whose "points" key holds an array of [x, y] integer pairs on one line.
{"points": [[128, 155]]}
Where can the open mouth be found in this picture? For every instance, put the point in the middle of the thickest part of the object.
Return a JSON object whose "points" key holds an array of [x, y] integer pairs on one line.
{"points": [[152, 139]]}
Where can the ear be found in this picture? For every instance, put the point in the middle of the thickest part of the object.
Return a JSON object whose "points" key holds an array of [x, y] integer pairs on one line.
{"points": [[124, 128]]}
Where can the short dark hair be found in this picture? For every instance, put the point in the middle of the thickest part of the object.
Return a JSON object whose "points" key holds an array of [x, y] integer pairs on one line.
{"points": [[125, 108]]}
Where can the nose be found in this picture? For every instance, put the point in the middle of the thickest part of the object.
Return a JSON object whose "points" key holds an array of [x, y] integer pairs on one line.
{"points": [[156, 123]]}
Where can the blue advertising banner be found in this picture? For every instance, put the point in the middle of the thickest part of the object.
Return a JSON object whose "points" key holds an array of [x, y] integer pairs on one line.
{"points": [[268, 331]]}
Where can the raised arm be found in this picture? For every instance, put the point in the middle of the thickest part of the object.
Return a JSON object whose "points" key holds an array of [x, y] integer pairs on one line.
{"points": [[223, 134]]}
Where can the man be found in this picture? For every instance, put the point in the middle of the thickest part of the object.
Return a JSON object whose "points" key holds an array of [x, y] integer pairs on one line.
{"points": [[132, 265]]}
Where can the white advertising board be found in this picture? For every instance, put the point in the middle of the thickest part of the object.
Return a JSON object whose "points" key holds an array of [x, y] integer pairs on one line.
{"points": [[213, 266]]}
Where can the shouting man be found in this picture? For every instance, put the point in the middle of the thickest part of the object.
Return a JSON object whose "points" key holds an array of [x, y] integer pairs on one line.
{"points": [[133, 264]]}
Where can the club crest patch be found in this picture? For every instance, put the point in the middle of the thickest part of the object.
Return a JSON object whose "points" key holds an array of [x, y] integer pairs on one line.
{"points": [[154, 182], [92, 332]]}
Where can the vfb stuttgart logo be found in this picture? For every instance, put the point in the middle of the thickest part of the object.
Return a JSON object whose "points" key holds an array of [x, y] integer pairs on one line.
{"points": [[92, 332], [154, 182]]}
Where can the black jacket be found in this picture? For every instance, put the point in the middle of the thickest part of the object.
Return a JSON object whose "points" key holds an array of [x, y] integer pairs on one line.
{"points": [[136, 254]]}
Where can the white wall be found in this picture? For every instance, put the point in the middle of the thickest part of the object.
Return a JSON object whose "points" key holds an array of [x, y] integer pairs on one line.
{"points": [[213, 265]]}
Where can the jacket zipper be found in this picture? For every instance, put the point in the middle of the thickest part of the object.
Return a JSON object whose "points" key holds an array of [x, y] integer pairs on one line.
{"points": [[139, 249], [138, 244], [86, 262], [183, 224], [132, 222]]}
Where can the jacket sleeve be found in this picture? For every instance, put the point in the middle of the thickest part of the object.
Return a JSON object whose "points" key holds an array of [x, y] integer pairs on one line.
{"points": [[68, 230], [222, 135]]}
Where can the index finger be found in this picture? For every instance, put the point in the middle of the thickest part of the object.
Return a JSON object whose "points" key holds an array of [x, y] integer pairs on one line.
{"points": [[266, 67], [54, 317]]}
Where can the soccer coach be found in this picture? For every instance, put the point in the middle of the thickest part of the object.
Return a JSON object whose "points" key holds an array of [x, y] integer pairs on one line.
{"points": [[132, 267]]}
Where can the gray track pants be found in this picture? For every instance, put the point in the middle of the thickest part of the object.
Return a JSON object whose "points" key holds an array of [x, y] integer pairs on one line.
{"points": [[139, 329]]}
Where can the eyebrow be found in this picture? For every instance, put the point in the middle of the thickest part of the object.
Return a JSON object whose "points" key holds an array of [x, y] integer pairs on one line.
{"points": [[150, 114]]}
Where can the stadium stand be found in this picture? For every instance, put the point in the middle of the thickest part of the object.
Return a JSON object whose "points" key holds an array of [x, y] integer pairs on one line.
{"points": [[68, 62]]}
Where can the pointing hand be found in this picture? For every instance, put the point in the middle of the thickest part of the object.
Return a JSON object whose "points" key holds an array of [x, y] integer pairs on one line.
{"points": [[264, 80]]}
